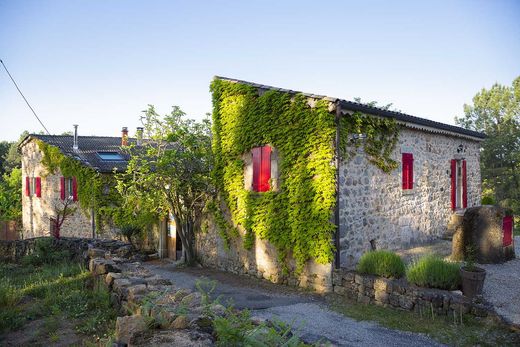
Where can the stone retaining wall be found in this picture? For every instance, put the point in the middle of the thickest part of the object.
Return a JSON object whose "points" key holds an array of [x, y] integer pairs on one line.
{"points": [[177, 317], [13, 251], [400, 294]]}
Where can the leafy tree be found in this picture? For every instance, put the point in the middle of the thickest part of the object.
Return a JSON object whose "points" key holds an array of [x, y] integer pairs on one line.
{"points": [[12, 158], [4, 148], [11, 195], [496, 112], [170, 171]]}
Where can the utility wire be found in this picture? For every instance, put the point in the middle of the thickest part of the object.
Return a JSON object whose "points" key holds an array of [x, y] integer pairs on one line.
{"points": [[27, 102]]}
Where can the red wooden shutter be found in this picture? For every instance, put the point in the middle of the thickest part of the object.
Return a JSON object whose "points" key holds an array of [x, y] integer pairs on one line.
{"points": [[464, 185], [257, 163], [74, 189], [265, 169], [507, 227], [453, 184], [27, 186], [407, 163], [38, 187], [62, 188]]}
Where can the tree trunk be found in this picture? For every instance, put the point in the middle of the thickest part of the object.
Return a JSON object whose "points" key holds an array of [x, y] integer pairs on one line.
{"points": [[187, 237]]}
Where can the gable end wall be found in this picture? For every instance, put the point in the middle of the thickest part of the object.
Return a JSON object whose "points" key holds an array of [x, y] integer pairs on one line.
{"points": [[373, 205]]}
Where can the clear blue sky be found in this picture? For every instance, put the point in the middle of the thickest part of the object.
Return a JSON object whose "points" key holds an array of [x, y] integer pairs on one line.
{"points": [[99, 63]]}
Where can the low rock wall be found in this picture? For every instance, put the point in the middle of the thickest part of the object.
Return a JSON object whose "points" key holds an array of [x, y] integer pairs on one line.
{"points": [[14, 251], [153, 311], [399, 294]]}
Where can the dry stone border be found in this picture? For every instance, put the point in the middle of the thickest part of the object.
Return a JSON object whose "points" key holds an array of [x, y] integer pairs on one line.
{"points": [[147, 301], [399, 294]]}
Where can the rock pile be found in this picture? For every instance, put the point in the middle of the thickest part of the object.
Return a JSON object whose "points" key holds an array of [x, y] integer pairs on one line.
{"points": [[154, 311]]}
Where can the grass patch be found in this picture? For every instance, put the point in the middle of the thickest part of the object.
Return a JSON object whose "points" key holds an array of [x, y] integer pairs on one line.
{"points": [[447, 330], [381, 263], [434, 272], [54, 292]]}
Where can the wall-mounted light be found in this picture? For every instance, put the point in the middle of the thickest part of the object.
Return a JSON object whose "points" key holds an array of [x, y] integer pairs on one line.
{"points": [[357, 137]]}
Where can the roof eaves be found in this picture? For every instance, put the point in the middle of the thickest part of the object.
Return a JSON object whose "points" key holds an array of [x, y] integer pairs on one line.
{"points": [[355, 106]]}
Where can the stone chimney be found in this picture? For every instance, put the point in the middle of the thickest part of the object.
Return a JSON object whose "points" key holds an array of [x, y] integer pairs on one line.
{"points": [[75, 146], [124, 136], [139, 136]]}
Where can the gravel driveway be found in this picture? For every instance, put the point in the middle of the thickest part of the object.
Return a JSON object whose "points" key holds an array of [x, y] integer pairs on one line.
{"points": [[306, 312], [502, 286]]}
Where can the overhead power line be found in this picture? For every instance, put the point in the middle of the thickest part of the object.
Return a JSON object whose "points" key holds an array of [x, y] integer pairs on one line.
{"points": [[27, 102]]}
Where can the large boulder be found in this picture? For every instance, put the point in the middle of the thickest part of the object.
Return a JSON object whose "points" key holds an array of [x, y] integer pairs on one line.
{"points": [[482, 229]]}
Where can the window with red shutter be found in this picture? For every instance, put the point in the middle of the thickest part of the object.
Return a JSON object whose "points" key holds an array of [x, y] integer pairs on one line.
{"points": [[464, 185], [27, 186], [507, 227], [453, 184], [261, 168], [407, 163], [38, 187], [74, 189], [62, 188]]}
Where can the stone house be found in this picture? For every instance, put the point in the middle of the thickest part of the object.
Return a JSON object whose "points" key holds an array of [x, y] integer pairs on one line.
{"points": [[44, 192], [435, 177]]}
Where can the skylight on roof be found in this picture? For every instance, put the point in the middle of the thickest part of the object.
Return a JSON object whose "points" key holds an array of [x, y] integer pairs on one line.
{"points": [[110, 156]]}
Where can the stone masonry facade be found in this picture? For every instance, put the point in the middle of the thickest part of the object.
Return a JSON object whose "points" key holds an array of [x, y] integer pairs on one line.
{"points": [[374, 207], [261, 261], [37, 211]]}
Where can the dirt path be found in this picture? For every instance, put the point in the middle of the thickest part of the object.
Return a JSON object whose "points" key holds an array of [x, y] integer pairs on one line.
{"points": [[502, 286], [307, 312]]}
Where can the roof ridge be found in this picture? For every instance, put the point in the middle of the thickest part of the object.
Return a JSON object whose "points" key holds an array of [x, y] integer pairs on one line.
{"points": [[398, 115]]}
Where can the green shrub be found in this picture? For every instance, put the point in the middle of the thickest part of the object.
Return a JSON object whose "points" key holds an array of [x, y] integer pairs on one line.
{"points": [[45, 252], [434, 272], [381, 263], [488, 200]]}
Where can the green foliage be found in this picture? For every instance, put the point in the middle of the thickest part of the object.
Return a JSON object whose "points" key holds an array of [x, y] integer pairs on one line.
{"points": [[381, 263], [296, 218], [10, 196], [381, 134], [170, 171], [434, 272], [496, 112], [96, 191], [236, 329], [45, 253], [54, 291], [488, 200]]}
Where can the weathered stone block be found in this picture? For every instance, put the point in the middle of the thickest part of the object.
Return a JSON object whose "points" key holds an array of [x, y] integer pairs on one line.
{"points": [[181, 322], [393, 299], [128, 327], [381, 296], [405, 302], [96, 253], [120, 286], [136, 291], [358, 279], [110, 277], [157, 280]]}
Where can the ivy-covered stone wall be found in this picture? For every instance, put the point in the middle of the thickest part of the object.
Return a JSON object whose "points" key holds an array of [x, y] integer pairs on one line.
{"points": [[36, 211], [373, 205], [284, 234]]}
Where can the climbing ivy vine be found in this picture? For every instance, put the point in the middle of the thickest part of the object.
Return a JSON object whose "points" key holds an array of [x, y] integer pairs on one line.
{"points": [[297, 218], [381, 136], [95, 190]]}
